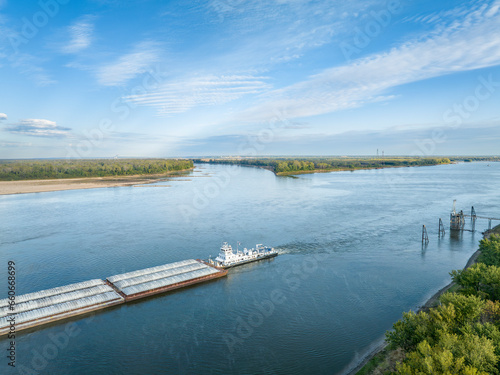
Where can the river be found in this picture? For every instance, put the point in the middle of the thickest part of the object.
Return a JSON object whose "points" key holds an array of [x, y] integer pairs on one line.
{"points": [[351, 261]]}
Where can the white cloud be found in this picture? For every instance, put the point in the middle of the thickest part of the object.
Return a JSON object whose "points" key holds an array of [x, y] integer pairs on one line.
{"points": [[181, 96], [129, 65], [38, 128], [444, 51], [3, 116], [81, 35]]}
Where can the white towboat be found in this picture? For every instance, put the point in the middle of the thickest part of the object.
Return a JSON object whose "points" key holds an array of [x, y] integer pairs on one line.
{"points": [[227, 258]]}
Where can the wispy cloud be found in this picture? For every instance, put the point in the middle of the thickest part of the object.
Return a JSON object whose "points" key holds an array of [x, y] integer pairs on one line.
{"points": [[80, 35], [296, 27], [3, 116], [13, 51], [129, 65], [444, 51], [27, 64], [15, 144], [181, 96], [38, 128], [447, 16], [288, 21], [30, 66]]}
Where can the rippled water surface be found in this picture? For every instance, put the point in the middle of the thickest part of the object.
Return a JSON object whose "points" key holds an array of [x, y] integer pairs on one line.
{"points": [[351, 262]]}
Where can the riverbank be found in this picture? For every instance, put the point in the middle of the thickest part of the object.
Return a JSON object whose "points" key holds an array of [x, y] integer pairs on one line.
{"points": [[293, 173], [41, 186], [290, 166], [381, 359]]}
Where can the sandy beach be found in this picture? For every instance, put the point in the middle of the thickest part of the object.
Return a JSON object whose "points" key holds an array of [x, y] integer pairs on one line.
{"points": [[39, 186]]}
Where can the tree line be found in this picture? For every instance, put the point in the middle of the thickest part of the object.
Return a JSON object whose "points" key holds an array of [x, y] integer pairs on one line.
{"points": [[12, 170], [462, 334], [301, 165]]}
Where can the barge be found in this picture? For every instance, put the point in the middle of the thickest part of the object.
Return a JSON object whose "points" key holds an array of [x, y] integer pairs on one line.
{"points": [[47, 306], [150, 281], [54, 304]]}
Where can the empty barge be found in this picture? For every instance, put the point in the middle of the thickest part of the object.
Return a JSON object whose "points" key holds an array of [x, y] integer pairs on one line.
{"points": [[49, 305], [143, 283], [54, 304]]}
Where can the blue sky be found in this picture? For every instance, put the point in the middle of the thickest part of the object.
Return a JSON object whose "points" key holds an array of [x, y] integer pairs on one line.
{"points": [[225, 77]]}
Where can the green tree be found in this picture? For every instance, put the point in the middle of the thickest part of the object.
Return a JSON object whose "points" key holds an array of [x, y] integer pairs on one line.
{"points": [[480, 279], [467, 309], [438, 360], [490, 251], [409, 331]]}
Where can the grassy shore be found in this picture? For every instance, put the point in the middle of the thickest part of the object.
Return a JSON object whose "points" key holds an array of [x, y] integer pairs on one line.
{"points": [[382, 360]]}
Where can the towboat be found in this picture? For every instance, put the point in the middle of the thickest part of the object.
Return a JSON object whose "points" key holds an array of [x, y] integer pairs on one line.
{"points": [[227, 258]]}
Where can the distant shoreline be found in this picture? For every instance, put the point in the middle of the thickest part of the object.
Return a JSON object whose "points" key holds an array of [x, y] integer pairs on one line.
{"points": [[42, 186], [285, 166], [293, 173]]}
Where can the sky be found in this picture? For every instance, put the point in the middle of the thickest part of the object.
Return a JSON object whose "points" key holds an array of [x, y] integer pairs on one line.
{"points": [[151, 78]]}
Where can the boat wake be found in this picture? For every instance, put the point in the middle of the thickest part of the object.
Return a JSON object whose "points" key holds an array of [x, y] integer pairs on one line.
{"points": [[325, 247]]}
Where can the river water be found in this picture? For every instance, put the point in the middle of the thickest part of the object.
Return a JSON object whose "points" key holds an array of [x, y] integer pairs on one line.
{"points": [[351, 261]]}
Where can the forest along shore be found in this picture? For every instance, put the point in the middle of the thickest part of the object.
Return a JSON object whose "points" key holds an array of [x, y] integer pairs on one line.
{"points": [[36, 176], [286, 166], [381, 360], [289, 166]]}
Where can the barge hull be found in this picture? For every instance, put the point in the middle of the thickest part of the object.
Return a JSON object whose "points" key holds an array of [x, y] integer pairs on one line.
{"points": [[168, 288], [65, 315], [250, 261]]}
